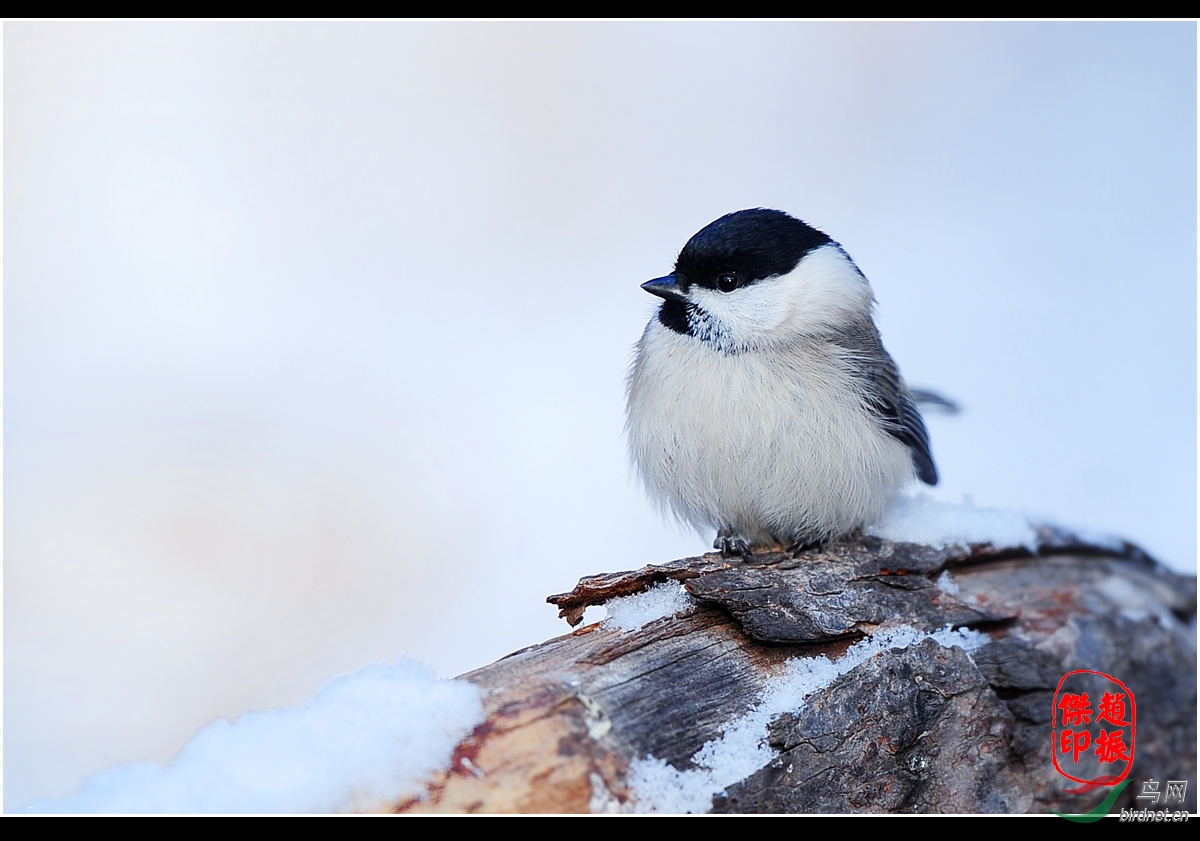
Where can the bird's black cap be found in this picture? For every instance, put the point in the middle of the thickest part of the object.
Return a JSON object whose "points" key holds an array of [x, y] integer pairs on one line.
{"points": [[751, 244]]}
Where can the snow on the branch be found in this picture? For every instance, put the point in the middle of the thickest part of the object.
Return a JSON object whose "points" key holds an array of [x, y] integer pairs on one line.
{"points": [[922, 519], [742, 749], [363, 739], [947, 584], [632, 612]]}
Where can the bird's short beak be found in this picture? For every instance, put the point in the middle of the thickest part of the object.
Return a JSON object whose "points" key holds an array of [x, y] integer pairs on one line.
{"points": [[665, 288]]}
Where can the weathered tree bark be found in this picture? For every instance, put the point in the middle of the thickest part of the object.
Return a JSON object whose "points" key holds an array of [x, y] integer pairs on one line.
{"points": [[922, 728]]}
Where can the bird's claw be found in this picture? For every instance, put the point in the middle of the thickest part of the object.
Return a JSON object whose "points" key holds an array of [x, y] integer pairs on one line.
{"points": [[728, 543], [804, 546]]}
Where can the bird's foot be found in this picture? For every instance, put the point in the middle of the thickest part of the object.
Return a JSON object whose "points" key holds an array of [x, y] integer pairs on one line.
{"points": [[729, 543], [803, 547]]}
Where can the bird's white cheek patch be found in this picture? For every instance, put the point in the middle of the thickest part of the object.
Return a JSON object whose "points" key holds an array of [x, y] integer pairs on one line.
{"points": [[747, 314], [824, 291]]}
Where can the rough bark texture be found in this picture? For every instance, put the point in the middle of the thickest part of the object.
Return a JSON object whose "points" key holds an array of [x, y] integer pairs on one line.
{"points": [[923, 728]]}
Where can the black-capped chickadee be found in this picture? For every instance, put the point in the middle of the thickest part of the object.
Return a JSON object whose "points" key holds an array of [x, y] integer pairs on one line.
{"points": [[762, 402]]}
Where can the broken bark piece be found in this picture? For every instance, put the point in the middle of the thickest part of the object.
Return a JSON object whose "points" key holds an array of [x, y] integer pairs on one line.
{"points": [[822, 603], [605, 719], [597, 589]]}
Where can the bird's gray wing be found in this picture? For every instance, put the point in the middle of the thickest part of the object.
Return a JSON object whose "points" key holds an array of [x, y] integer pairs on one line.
{"points": [[888, 396]]}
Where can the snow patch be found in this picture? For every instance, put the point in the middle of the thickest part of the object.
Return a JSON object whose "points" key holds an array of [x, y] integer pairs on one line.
{"points": [[947, 584], [632, 612], [1135, 603], [742, 749], [1101, 539], [922, 519], [364, 739]]}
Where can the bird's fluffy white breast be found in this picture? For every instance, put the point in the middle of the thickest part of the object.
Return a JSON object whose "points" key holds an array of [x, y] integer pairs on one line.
{"points": [[775, 443]]}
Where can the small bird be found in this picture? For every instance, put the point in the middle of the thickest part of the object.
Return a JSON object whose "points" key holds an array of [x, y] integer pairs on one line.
{"points": [[761, 401]]}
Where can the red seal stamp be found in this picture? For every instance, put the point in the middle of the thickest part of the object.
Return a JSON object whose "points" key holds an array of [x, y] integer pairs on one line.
{"points": [[1094, 728]]}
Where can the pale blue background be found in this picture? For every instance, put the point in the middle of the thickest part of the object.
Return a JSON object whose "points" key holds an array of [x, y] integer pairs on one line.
{"points": [[315, 334]]}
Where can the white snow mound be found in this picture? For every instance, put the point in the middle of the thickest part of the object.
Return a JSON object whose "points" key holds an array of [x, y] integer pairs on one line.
{"points": [[363, 739]]}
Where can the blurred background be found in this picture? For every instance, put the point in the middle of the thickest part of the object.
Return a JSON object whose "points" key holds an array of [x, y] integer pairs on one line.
{"points": [[315, 333]]}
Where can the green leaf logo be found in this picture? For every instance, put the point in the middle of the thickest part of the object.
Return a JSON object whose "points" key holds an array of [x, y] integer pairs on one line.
{"points": [[1100, 811]]}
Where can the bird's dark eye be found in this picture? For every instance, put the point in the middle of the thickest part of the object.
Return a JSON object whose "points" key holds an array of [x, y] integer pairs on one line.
{"points": [[727, 282]]}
